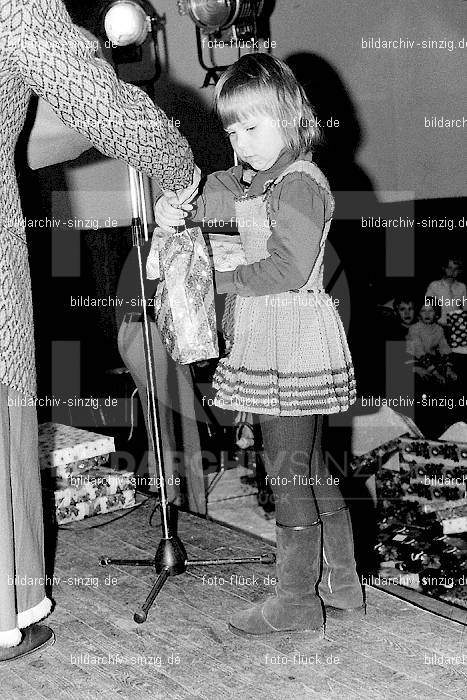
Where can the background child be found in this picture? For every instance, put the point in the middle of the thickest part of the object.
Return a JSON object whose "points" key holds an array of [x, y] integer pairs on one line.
{"points": [[289, 361], [449, 292], [404, 309], [427, 344], [451, 296], [395, 318]]}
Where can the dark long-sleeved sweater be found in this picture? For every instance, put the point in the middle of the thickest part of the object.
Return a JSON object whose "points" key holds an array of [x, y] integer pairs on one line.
{"points": [[299, 208]]}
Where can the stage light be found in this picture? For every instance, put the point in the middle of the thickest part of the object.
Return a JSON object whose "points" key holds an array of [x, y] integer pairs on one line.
{"points": [[130, 29], [227, 23], [215, 16], [126, 23], [210, 15]]}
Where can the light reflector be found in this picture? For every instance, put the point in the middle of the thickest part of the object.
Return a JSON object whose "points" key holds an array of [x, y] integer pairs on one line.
{"points": [[126, 23]]}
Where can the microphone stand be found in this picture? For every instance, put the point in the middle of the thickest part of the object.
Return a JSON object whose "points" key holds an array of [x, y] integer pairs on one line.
{"points": [[170, 558]]}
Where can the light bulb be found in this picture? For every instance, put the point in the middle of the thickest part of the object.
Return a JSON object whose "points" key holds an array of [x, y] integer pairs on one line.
{"points": [[126, 23]]}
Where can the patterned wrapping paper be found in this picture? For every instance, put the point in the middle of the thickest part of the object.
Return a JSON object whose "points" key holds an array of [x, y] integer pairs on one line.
{"points": [[457, 329], [89, 486], [64, 450], [415, 522], [449, 453], [184, 301], [453, 520], [435, 472], [227, 252], [371, 462], [103, 504], [441, 506], [75, 469], [430, 482]]}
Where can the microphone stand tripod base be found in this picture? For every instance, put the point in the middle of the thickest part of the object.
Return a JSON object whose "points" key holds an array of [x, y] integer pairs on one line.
{"points": [[171, 560]]}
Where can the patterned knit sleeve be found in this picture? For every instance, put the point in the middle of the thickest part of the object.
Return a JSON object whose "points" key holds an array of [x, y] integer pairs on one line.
{"points": [[60, 65], [298, 214]]}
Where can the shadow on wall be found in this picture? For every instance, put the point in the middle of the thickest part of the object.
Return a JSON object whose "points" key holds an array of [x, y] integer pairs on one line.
{"points": [[354, 195], [337, 155]]}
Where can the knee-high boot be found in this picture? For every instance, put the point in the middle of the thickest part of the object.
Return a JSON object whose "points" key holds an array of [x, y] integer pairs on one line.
{"points": [[340, 587], [296, 606]]}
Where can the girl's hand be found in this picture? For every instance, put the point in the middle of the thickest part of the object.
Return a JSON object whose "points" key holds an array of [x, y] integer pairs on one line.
{"points": [[169, 213], [171, 208]]}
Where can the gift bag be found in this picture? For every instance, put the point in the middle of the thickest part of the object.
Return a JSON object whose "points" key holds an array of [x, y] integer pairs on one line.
{"points": [[184, 302]]}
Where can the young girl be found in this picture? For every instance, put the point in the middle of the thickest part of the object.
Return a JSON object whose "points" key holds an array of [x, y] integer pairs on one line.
{"points": [[289, 361], [451, 296], [427, 344], [448, 291]]}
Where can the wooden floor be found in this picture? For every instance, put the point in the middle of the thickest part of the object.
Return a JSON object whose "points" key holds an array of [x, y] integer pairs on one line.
{"points": [[185, 649]]}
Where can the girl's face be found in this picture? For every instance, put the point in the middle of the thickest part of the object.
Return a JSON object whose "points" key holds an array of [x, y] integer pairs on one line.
{"points": [[257, 140], [427, 314], [451, 271], [406, 312]]}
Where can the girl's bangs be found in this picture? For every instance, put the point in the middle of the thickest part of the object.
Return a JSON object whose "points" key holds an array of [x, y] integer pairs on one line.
{"points": [[240, 104]]}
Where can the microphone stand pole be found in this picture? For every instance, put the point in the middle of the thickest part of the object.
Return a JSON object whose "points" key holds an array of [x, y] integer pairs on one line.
{"points": [[170, 558]]}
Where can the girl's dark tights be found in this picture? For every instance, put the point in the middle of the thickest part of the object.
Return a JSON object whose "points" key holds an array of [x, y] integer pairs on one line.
{"points": [[300, 479]]}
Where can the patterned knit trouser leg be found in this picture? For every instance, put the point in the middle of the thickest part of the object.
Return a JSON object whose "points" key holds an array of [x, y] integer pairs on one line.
{"points": [[22, 596], [299, 477]]}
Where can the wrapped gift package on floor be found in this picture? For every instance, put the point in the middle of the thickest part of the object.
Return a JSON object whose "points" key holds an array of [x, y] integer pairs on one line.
{"points": [[436, 563], [453, 519], [371, 462], [104, 504], [434, 471], [64, 450], [373, 434], [75, 480], [89, 486], [422, 510], [375, 442]]}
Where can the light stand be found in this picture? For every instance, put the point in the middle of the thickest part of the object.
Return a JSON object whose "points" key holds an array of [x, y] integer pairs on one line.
{"points": [[170, 558]]}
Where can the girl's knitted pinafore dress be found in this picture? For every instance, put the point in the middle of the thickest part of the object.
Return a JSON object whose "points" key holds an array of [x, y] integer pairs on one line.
{"points": [[289, 355]]}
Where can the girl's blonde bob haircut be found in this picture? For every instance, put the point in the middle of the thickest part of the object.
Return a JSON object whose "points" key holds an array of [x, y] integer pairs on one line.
{"points": [[258, 83]]}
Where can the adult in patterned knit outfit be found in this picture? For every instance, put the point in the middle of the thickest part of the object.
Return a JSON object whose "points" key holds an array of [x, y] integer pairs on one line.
{"points": [[289, 361], [42, 52]]}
